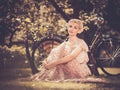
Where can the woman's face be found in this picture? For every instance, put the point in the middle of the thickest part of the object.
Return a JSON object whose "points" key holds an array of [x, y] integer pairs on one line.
{"points": [[73, 28]]}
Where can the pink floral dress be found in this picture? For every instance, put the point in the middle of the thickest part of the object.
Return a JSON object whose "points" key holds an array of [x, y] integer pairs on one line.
{"points": [[74, 69]]}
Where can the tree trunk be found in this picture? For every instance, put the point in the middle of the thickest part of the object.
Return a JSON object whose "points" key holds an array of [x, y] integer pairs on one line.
{"points": [[31, 62], [58, 9]]}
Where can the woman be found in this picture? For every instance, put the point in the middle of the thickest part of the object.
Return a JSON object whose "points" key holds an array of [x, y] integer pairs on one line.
{"points": [[69, 59]]}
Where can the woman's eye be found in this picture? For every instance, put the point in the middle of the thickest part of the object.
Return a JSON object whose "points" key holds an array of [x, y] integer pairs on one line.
{"points": [[70, 26], [75, 27]]}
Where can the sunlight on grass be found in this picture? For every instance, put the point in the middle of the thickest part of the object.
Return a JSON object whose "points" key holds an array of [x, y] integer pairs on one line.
{"points": [[55, 85], [110, 70]]}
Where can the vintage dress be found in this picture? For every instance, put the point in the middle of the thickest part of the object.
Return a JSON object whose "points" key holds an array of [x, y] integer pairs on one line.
{"points": [[74, 69]]}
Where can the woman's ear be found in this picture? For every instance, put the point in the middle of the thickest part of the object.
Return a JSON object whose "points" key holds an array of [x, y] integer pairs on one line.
{"points": [[80, 30]]}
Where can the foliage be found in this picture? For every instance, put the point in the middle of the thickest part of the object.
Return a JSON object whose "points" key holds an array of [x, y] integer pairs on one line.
{"points": [[39, 16], [30, 20], [13, 57]]}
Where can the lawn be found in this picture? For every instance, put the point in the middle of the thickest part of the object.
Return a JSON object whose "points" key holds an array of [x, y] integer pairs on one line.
{"points": [[11, 79]]}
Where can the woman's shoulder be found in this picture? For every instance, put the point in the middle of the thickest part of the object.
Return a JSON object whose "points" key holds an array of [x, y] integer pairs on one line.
{"points": [[81, 40], [83, 44]]}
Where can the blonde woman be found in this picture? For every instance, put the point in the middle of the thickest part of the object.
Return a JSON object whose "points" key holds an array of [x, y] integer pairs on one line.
{"points": [[69, 59]]}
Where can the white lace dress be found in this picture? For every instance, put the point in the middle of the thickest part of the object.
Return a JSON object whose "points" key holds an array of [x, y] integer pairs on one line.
{"points": [[75, 69]]}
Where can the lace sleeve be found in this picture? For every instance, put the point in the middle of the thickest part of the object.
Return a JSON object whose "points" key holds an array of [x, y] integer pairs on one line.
{"points": [[84, 46], [83, 56]]}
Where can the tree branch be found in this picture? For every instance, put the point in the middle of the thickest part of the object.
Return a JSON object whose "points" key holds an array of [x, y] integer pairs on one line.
{"points": [[66, 17]]}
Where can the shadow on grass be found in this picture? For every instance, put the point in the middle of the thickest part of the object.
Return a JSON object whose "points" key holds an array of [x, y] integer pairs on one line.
{"points": [[13, 87]]}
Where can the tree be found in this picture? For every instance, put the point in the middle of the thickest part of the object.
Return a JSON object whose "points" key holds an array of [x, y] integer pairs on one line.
{"points": [[26, 21]]}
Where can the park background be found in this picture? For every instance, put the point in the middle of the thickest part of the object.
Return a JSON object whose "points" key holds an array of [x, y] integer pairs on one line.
{"points": [[24, 22]]}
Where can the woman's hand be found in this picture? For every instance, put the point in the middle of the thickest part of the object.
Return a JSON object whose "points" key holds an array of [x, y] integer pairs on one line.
{"points": [[44, 62], [50, 65]]}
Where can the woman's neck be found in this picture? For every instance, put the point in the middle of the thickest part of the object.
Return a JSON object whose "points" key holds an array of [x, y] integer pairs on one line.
{"points": [[73, 38]]}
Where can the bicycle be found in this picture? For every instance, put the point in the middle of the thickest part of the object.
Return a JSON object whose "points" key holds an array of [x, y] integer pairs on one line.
{"points": [[103, 48], [106, 52]]}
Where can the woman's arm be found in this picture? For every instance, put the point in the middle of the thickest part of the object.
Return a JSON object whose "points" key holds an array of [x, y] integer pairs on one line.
{"points": [[65, 59]]}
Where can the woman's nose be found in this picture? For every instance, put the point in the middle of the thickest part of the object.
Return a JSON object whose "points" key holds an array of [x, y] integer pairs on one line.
{"points": [[71, 28]]}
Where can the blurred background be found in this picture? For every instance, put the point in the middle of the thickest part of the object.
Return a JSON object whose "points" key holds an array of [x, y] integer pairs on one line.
{"points": [[24, 22]]}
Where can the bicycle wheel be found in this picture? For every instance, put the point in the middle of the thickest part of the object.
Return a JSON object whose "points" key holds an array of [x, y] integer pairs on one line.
{"points": [[108, 57], [42, 49]]}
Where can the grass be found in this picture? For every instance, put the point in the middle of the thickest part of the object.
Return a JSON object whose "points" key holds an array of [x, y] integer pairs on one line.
{"points": [[11, 80], [49, 85]]}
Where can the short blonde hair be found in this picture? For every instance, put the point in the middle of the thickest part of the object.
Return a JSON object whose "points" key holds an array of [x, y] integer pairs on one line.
{"points": [[79, 22]]}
